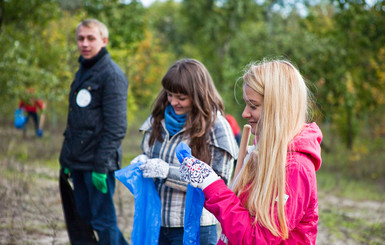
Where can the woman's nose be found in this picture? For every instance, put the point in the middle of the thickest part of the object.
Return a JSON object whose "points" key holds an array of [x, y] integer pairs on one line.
{"points": [[245, 113], [173, 101]]}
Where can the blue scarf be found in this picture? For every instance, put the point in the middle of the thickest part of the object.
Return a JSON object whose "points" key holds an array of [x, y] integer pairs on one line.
{"points": [[174, 122]]}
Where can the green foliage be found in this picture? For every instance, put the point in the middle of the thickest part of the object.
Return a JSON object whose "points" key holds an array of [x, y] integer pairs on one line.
{"points": [[124, 20], [21, 13], [42, 52], [35, 53], [344, 73], [337, 45], [214, 25], [363, 162], [148, 67], [20, 68]]}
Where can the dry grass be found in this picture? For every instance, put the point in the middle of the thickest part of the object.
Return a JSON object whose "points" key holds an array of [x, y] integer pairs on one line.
{"points": [[30, 203]]}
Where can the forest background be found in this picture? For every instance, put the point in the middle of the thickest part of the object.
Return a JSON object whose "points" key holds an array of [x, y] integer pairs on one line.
{"points": [[338, 45]]}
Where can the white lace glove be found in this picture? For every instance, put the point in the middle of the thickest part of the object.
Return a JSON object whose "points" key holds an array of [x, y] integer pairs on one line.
{"points": [[155, 168], [197, 173], [140, 158]]}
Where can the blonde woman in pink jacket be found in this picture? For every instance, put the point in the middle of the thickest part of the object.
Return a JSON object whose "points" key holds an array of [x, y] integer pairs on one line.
{"points": [[274, 198]]}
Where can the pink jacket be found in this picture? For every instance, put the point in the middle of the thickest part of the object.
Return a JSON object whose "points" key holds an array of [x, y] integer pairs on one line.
{"points": [[301, 206]]}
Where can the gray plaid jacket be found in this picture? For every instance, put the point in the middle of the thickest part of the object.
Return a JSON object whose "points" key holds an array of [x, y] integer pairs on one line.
{"points": [[172, 190]]}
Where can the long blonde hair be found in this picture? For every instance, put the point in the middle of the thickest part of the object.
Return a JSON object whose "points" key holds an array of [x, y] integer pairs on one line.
{"points": [[285, 105]]}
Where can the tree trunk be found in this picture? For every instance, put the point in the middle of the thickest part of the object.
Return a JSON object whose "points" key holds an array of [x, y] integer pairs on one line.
{"points": [[2, 13], [350, 128]]}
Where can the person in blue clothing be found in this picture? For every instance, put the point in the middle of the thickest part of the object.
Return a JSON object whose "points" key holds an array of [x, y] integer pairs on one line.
{"points": [[188, 109], [96, 126]]}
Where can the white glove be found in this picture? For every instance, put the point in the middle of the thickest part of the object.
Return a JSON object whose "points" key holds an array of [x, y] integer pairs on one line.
{"points": [[155, 168], [140, 158], [197, 173]]}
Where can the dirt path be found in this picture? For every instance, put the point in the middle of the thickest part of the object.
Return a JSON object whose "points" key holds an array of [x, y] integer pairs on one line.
{"points": [[371, 213], [31, 211]]}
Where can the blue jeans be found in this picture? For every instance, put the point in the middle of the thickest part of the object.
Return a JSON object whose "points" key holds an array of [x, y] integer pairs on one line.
{"points": [[97, 208], [174, 235], [34, 118]]}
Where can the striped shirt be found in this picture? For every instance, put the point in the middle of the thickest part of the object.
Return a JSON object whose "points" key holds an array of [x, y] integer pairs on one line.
{"points": [[172, 190]]}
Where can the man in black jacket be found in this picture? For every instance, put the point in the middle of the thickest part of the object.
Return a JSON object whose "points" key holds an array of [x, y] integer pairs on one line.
{"points": [[96, 126]]}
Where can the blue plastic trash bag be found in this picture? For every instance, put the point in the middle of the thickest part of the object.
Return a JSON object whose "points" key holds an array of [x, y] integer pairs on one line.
{"points": [[147, 216], [20, 119], [39, 132], [195, 199]]}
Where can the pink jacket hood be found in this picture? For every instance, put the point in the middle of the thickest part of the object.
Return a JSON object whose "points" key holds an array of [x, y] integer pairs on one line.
{"points": [[308, 142]]}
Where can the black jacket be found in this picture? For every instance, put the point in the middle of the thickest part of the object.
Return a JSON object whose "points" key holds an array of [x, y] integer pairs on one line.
{"points": [[97, 120]]}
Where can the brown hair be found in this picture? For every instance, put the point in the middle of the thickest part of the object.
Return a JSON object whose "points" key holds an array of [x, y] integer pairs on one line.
{"points": [[190, 77]]}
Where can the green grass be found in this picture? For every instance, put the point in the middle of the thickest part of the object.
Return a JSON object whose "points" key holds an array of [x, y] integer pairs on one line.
{"points": [[356, 189], [344, 227]]}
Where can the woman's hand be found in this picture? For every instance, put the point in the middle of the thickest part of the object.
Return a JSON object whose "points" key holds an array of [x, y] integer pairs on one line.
{"points": [[155, 168], [197, 173], [140, 158]]}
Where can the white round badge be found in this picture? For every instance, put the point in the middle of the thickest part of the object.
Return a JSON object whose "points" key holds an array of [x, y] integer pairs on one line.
{"points": [[83, 98]]}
